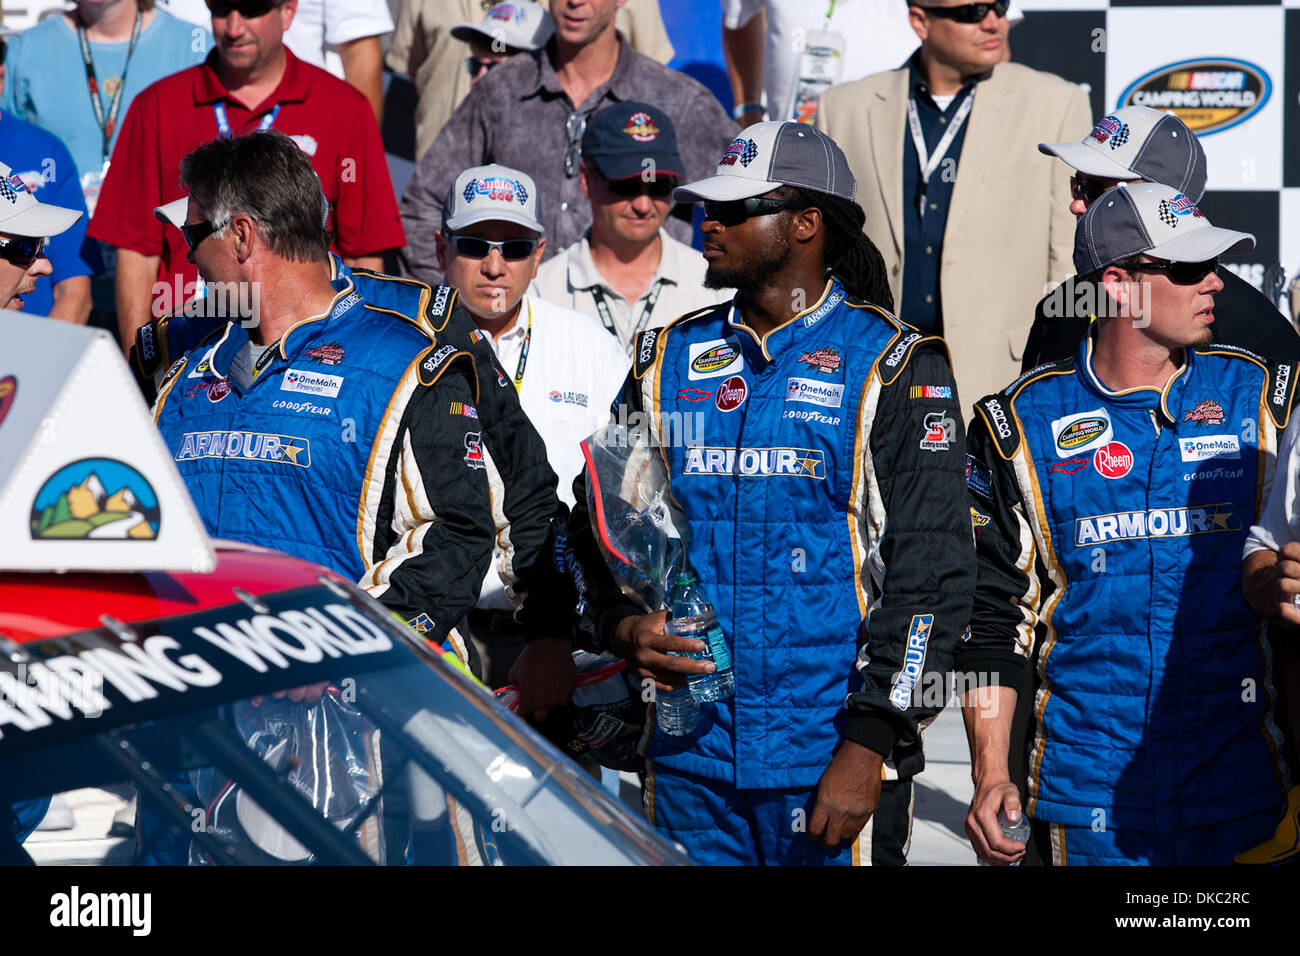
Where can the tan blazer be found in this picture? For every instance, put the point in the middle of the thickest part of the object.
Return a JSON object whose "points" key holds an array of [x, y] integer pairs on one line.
{"points": [[424, 49], [1009, 232]]}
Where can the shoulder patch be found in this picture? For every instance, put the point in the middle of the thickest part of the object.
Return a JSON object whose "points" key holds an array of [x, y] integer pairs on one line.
{"points": [[647, 348], [435, 360], [440, 306], [1281, 391], [1062, 365], [979, 478], [896, 355], [1003, 426], [172, 372]]}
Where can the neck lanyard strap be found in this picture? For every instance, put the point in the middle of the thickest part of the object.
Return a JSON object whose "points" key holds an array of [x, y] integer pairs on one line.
{"points": [[643, 320], [107, 124], [223, 122], [929, 163], [523, 351]]}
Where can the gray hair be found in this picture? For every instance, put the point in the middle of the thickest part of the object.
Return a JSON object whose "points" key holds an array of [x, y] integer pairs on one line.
{"points": [[263, 175]]}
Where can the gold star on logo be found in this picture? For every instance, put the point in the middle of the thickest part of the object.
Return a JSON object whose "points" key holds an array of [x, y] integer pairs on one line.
{"points": [[1221, 519], [291, 452], [810, 465]]}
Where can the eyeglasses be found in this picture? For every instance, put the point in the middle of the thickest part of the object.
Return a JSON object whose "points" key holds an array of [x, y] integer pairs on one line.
{"points": [[574, 127], [472, 247], [735, 212], [21, 251], [197, 232], [1088, 189], [968, 12], [1180, 273], [478, 68], [630, 188], [248, 9]]}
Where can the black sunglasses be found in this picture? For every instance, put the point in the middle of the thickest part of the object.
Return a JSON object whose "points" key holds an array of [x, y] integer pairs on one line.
{"points": [[1180, 273], [737, 211], [21, 251], [197, 232], [472, 247], [1089, 189], [248, 9], [968, 12], [635, 186]]}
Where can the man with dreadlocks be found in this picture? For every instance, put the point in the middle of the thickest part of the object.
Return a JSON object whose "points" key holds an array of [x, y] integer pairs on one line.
{"points": [[823, 487]]}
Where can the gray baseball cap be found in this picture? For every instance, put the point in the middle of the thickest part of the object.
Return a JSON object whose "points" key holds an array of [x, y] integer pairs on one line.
{"points": [[520, 25], [1137, 142], [492, 193], [767, 155], [1150, 218]]}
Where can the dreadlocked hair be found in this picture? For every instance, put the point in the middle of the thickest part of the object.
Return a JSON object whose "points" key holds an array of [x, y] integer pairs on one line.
{"points": [[850, 254]]}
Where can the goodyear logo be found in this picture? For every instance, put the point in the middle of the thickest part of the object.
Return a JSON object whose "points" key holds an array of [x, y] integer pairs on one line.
{"points": [[720, 356], [756, 462], [1208, 95], [918, 636], [1155, 523], [251, 446], [1080, 433]]}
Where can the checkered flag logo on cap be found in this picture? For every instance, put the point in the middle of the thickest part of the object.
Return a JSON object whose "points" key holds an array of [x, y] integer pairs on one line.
{"points": [[521, 193], [1167, 214], [469, 192], [7, 191], [751, 151], [1121, 137]]}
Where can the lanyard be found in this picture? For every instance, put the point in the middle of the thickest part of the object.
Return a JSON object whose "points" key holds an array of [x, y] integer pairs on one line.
{"points": [[523, 351], [930, 163], [830, 12], [223, 123], [107, 124], [607, 319]]}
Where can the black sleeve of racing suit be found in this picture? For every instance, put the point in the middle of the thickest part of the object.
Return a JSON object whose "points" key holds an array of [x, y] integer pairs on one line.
{"points": [[434, 533], [530, 518], [1007, 593], [925, 549]]}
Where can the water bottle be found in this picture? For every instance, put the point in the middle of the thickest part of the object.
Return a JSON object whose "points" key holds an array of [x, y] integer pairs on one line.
{"points": [[1017, 832], [676, 712], [693, 616]]}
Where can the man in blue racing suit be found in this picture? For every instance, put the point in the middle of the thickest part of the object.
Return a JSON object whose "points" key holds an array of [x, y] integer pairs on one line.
{"points": [[1112, 493], [815, 447]]}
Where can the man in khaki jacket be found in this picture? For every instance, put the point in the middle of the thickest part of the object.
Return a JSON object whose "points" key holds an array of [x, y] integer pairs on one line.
{"points": [[971, 247], [424, 49]]}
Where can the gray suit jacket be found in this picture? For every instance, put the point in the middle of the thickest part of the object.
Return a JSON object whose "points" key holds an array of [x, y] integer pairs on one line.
{"points": [[1010, 234]]}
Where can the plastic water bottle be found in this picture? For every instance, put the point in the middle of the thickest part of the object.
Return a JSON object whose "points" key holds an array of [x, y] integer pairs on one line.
{"points": [[676, 712], [1017, 832], [693, 616]]}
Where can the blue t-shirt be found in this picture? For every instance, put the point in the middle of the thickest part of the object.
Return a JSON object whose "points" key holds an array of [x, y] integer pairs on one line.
{"points": [[46, 168], [46, 77]]}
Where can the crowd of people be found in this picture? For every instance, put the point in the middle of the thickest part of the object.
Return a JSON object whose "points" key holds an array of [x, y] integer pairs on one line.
{"points": [[398, 387]]}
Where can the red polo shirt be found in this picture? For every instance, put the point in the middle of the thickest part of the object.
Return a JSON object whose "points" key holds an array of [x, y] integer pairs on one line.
{"points": [[328, 119]]}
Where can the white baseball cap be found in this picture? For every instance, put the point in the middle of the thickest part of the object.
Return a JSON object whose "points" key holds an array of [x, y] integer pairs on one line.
{"points": [[22, 215], [767, 155], [173, 212], [492, 193], [519, 25], [1137, 142], [1150, 218]]}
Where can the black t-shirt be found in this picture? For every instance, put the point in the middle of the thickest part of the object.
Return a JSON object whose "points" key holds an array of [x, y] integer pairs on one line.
{"points": [[1243, 317]]}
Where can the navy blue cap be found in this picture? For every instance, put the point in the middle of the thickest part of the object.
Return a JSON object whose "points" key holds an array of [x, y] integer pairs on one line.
{"points": [[621, 137]]}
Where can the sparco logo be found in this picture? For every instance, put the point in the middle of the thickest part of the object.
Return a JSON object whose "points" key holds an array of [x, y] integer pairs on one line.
{"points": [[999, 418], [440, 300], [437, 358], [1208, 95], [900, 349], [146, 342], [647, 350], [1279, 385]]}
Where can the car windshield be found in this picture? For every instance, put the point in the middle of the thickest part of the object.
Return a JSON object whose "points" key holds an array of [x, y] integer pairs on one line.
{"points": [[300, 727]]}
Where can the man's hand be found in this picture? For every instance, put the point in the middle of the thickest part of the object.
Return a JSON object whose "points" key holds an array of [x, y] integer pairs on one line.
{"points": [[1272, 580], [545, 675], [847, 795], [641, 640], [993, 795]]}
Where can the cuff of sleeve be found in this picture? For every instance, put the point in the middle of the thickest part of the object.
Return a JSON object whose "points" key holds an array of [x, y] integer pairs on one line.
{"points": [[981, 666], [874, 733]]}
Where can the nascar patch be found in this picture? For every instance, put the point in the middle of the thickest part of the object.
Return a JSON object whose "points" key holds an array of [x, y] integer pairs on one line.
{"points": [[1081, 431], [714, 359], [460, 408], [930, 391]]}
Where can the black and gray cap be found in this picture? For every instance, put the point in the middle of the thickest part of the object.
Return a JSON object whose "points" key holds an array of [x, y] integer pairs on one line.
{"points": [[767, 155], [1137, 142], [1151, 219]]}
